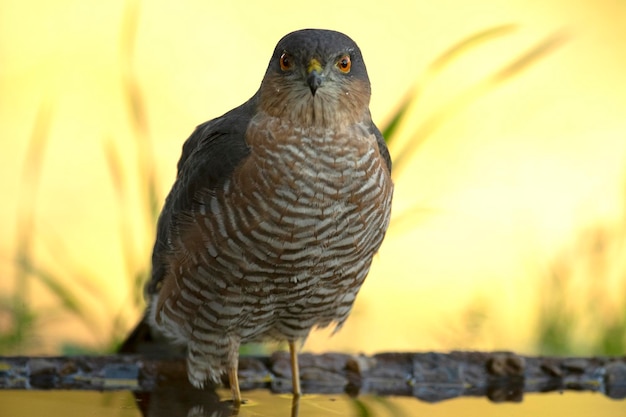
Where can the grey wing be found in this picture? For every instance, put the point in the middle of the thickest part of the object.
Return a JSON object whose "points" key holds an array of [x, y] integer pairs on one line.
{"points": [[208, 158]]}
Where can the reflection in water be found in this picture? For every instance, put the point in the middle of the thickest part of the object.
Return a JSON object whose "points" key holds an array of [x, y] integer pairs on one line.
{"points": [[261, 403], [181, 399], [186, 401], [178, 398], [177, 401]]}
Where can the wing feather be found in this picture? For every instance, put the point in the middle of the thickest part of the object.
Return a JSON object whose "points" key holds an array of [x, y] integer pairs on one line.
{"points": [[209, 157]]}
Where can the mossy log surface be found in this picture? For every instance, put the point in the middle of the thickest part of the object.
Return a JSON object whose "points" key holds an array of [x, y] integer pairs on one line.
{"points": [[500, 376]]}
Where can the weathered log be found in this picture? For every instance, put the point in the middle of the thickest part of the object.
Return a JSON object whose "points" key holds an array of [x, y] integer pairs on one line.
{"points": [[500, 376]]}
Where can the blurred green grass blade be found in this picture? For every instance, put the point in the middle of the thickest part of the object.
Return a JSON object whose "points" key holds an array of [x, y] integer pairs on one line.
{"points": [[116, 169], [54, 284], [437, 66], [613, 339], [139, 119], [150, 196], [534, 54], [360, 408], [571, 321], [81, 277], [465, 45], [22, 318], [130, 22], [17, 336], [389, 130], [391, 407], [135, 258], [37, 143], [138, 280], [31, 177], [65, 295], [127, 236], [470, 95]]}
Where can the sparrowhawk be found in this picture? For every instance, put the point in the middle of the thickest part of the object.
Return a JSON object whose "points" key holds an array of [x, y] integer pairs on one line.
{"points": [[277, 209]]}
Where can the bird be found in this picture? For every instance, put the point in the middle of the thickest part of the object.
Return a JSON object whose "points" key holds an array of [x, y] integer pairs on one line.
{"points": [[276, 212]]}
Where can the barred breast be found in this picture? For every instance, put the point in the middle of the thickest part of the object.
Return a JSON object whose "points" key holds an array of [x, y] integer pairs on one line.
{"points": [[282, 247]]}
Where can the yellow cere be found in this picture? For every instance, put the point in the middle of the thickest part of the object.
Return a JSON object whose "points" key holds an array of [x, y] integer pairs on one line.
{"points": [[314, 65]]}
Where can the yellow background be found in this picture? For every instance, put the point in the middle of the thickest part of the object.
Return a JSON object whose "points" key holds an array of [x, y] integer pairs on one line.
{"points": [[494, 195]]}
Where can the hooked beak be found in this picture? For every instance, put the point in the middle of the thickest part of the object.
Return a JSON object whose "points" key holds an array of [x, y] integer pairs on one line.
{"points": [[314, 77]]}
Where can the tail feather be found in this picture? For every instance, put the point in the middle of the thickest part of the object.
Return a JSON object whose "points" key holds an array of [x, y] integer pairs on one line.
{"points": [[146, 341]]}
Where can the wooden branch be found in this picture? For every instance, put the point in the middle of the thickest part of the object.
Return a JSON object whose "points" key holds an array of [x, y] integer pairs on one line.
{"points": [[501, 376]]}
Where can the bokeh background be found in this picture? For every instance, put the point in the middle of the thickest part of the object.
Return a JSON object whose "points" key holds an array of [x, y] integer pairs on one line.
{"points": [[509, 219]]}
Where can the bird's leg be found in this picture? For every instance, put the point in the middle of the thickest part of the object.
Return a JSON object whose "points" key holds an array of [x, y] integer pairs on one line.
{"points": [[295, 370], [295, 406], [233, 367], [233, 381]]}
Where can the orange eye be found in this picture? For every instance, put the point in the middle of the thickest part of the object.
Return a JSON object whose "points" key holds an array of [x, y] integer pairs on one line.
{"points": [[344, 64], [285, 62]]}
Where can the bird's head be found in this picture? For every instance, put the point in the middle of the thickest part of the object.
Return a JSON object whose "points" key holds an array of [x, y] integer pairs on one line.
{"points": [[316, 78]]}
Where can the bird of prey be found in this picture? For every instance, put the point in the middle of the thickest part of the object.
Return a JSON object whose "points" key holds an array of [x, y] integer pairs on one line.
{"points": [[277, 209]]}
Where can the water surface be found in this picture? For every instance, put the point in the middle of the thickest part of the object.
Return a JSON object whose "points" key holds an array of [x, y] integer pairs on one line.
{"points": [[262, 403]]}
